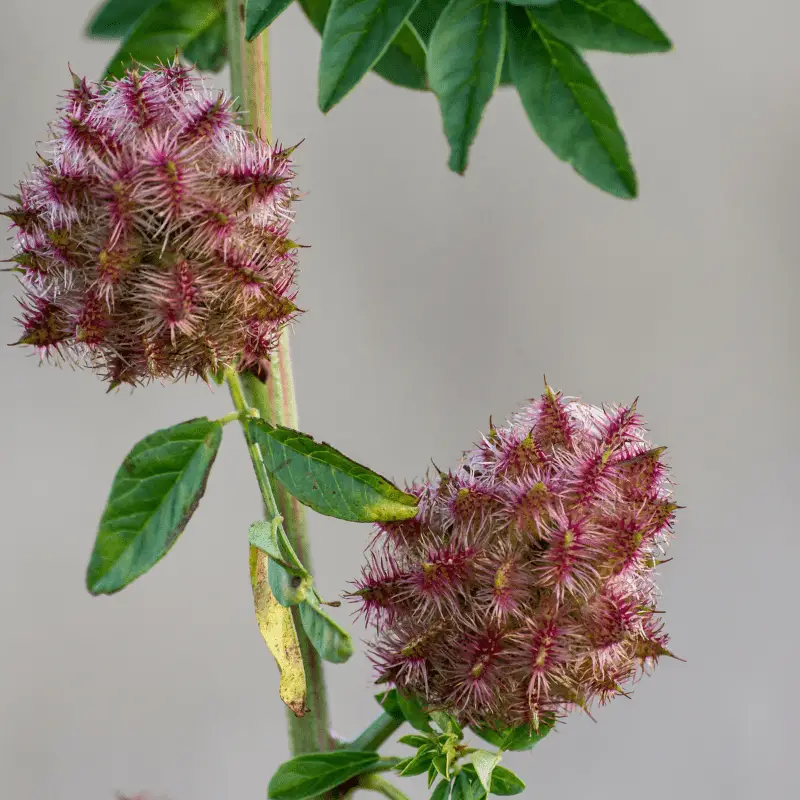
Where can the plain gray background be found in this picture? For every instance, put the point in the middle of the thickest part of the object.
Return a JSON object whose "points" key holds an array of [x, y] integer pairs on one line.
{"points": [[433, 302]]}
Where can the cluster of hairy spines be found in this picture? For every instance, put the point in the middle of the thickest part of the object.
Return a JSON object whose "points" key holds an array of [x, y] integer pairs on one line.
{"points": [[152, 240], [524, 587]]}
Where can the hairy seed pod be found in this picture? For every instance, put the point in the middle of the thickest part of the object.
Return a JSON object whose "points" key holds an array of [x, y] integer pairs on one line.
{"points": [[525, 585], [152, 238]]}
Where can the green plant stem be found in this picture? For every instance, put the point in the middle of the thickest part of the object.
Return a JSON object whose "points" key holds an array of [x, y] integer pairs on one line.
{"points": [[377, 733], [376, 783], [242, 406], [275, 401]]}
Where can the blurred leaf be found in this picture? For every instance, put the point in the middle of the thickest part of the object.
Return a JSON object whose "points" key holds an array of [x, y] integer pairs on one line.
{"points": [[522, 738], [402, 64], [260, 14], [505, 782], [566, 105], [424, 17], [389, 703], [277, 629], [209, 50], [153, 496], [464, 61], [290, 588], [115, 18], [484, 763], [466, 785], [326, 480], [442, 790], [414, 740], [356, 34], [165, 28], [619, 26], [415, 765], [310, 775], [412, 711], [332, 642]]}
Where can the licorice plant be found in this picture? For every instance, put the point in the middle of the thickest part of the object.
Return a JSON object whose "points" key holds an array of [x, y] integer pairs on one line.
{"points": [[152, 241]]}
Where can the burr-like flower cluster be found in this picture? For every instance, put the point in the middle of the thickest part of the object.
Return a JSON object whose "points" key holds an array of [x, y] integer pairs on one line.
{"points": [[524, 586], [152, 240]]}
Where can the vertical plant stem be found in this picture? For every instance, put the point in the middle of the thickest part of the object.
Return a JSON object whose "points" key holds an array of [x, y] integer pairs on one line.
{"points": [[275, 401]]}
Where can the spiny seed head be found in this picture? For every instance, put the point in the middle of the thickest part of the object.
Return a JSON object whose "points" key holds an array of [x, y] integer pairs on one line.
{"points": [[525, 587], [152, 240]]}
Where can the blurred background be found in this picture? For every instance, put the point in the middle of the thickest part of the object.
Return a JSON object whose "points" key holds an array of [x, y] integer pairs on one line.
{"points": [[435, 301]]}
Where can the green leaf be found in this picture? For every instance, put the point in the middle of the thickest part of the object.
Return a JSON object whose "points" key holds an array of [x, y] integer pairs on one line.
{"points": [[415, 765], [414, 740], [166, 27], [330, 641], [442, 791], [522, 738], [389, 703], [402, 64], [326, 480], [484, 763], [115, 18], [313, 774], [425, 15], [153, 496], [567, 107], [505, 782], [289, 588], [209, 50], [619, 26], [260, 14], [356, 34], [412, 711], [464, 62], [466, 785], [530, 2]]}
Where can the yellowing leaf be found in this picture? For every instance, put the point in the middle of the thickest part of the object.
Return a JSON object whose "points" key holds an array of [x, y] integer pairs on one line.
{"points": [[277, 627]]}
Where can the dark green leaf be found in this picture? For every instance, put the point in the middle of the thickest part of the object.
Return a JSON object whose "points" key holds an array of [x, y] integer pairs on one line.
{"points": [[441, 766], [356, 34], [415, 765], [522, 738], [153, 496], [505, 72], [567, 107], [442, 791], [412, 711], [530, 2], [403, 63], [505, 782], [115, 18], [464, 61], [209, 50], [326, 480], [166, 27], [619, 26], [260, 14], [414, 740], [311, 775], [330, 641], [424, 17], [466, 785], [389, 703]]}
